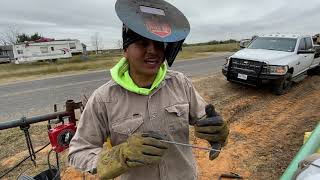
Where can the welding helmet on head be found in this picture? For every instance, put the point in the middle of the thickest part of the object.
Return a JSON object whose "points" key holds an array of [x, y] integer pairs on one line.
{"points": [[153, 19]]}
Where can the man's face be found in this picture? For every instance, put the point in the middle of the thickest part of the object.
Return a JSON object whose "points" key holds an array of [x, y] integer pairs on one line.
{"points": [[145, 57]]}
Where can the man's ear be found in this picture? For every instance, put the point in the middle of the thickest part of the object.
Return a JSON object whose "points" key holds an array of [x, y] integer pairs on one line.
{"points": [[125, 53]]}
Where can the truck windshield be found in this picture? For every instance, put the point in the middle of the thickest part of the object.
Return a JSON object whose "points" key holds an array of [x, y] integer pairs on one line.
{"points": [[273, 43]]}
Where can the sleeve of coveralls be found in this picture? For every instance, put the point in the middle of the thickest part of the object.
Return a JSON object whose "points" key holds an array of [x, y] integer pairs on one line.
{"points": [[196, 103], [91, 133]]}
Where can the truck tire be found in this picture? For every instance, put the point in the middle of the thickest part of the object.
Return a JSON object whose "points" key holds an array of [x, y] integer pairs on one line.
{"points": [[317, 70], [314, 71], [283, 86]]}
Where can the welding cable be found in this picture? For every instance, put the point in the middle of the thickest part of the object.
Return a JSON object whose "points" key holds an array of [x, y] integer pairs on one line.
{"points": [[11, 169], [57, 174], [48, 161]]}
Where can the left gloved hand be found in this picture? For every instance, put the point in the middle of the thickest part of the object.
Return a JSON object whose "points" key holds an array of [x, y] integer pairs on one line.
{"points": [[213, 129]]}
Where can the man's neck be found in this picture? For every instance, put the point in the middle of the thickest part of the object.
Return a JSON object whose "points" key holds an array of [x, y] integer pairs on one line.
{"points": [[142, 81]]}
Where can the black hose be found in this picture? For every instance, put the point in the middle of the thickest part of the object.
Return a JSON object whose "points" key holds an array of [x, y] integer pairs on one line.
{"points": [[55, 176], [11, 169], [48, 160]]}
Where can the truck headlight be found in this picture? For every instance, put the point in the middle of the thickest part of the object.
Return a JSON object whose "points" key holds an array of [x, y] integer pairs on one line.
{"points": [[227, 62], [275, 70]]}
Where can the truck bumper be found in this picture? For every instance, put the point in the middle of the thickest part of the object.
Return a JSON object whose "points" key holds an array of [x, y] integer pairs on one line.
{"points": [[250, 79], [224, 71]]}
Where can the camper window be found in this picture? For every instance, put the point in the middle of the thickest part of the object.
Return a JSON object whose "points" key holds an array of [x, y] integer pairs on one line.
{"points": [[20, 51], [44, 49], [52, 48], [72, 45]]}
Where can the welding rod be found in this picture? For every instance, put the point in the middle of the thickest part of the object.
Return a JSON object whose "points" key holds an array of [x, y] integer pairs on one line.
{"points": [[190, 145]]}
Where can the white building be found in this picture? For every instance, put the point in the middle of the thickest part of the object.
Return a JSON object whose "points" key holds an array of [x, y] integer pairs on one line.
{"points": [[45, 49]]}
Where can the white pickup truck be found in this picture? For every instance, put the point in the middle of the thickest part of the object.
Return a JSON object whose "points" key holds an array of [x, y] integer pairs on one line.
{"points": [[278, 59]]}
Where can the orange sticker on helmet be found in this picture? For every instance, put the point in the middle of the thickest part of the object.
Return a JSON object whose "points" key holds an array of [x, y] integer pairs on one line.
{"points": [[158, 28]]}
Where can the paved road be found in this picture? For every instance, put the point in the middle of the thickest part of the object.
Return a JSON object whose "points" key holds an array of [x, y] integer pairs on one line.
{"points": [[37, 97]]}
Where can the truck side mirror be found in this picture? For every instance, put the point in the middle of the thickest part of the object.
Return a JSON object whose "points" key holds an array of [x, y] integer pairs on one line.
{"points": [[244, 43]]}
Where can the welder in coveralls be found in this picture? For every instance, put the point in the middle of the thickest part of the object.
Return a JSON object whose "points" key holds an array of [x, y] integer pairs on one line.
{"points": [[145, 103]]}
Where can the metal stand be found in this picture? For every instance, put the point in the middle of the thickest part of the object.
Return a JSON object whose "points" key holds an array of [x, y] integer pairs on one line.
{"points": [[25, 127]]}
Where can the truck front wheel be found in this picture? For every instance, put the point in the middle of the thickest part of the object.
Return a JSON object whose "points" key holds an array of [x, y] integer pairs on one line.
{"points": [[283, 86]]}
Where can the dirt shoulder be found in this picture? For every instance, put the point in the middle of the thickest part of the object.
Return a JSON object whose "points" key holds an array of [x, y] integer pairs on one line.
{"points": [[266, 131]]}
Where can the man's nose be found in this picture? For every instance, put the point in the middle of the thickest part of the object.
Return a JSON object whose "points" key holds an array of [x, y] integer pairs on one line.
{"points": [[151, 48]]}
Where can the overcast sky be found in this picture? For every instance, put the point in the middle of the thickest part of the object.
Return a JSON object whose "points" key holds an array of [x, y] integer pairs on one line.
{"points": [[209, 19]]}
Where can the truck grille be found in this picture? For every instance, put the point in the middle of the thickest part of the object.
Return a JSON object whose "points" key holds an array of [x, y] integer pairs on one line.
{"points": [[249, 69], [246, 66]]}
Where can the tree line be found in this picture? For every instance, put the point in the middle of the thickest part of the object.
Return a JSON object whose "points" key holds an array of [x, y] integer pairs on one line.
{"points": [[213, 42], [12, 35]]}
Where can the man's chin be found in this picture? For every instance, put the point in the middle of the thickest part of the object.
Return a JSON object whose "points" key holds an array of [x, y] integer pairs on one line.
{"points": [[152, 69], [152, 72]]}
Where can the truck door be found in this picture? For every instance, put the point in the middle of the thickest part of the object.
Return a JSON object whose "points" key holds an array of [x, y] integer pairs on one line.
{"points": [[304, 60], [315, 61], [310, 59]]}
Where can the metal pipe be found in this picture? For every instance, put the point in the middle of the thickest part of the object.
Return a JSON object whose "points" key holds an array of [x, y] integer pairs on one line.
{"points": [[31, 120], [70, 107], [307, 149]]}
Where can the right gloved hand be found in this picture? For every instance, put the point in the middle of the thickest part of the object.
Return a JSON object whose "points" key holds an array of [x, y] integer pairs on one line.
{"points": [[139, 150]]}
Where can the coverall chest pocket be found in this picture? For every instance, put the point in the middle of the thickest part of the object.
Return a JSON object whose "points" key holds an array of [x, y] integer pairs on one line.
{"points": [[178, 119], [123, 128]]}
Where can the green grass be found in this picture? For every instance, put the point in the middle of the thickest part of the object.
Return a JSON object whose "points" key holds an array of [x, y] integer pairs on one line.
{"points": [[63, 65], [95, 62], [198, 51]]}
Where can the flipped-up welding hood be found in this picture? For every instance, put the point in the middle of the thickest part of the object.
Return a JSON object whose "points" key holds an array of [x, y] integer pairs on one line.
{"points": [[156, 20]]}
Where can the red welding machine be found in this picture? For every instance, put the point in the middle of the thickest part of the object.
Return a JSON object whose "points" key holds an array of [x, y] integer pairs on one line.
{"points": [[61, 135]]}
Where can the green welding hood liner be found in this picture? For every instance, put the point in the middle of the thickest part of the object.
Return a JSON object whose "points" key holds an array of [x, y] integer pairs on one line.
{"points": [[157, 20]]}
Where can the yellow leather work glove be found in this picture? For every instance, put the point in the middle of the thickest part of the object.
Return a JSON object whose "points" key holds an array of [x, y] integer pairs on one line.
{"points": [[139, 150]]}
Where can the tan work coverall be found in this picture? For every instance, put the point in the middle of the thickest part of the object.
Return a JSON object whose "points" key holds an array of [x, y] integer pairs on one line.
{"points": [[114, 112]]}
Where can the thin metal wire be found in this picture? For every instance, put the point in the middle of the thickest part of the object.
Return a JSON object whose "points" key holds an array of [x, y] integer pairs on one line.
{"points": [[315, 165], [190, 145]]}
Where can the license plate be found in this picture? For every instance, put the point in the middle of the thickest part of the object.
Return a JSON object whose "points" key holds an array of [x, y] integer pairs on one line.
{"points": [[242, 76]]}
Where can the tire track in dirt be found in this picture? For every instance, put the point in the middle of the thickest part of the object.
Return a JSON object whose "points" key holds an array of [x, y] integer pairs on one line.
{"points": [[266, 130]]}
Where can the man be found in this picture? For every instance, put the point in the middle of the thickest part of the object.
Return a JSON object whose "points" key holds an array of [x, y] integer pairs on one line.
{"points": [[145, 103]]}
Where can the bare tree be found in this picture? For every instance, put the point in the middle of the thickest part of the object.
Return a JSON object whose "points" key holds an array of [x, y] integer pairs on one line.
{"points": [[96, 40], [9, 35], [120, 44], [2, 40]]}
